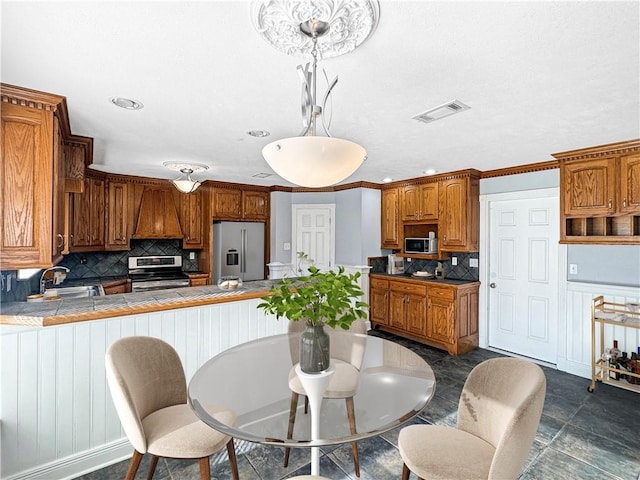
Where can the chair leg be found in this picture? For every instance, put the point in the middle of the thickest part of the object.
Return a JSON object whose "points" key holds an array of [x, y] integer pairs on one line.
{"points": [[152, 466], [292, 419], [205, 470], [134, 464], [405, 471], [231, 450], [352, 426]]}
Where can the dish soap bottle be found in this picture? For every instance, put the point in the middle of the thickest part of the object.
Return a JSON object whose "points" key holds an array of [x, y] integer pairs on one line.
{"points": [[439, 271]]}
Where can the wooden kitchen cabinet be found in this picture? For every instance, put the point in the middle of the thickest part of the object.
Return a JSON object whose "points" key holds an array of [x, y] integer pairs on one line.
{"points": [[240, 204], [600, 194], [198, 279], [118, 214], [459, 217], [88, 214], [390, 219], [227, 204], [379, 301], [420, 202], [441, 315], [407, 306], [255, 205], [191, 220], [589, 187], [452, 317], [117, 286], [30, 216]]}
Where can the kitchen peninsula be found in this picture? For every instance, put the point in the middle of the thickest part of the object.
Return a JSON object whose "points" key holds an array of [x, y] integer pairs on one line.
{"points": [[53, 375], [59, 312]]}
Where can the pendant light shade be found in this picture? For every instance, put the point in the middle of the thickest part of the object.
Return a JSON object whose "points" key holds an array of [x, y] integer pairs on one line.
{"points": [[310, 160], [185, 183], [313, 161]]}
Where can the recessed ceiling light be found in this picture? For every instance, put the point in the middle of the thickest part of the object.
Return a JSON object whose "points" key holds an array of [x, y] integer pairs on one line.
{"points": [[430, 171], [258, 133], [126, 103], [387, 179]]}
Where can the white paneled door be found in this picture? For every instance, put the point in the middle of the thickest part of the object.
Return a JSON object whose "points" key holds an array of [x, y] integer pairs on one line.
{"points": [[523, 277], [314, 234]]}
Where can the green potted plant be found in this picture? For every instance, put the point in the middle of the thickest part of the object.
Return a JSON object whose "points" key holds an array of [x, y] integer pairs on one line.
{"points": [[320, 298]]}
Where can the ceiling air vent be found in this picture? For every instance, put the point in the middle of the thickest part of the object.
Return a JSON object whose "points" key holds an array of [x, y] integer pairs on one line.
{"points": [[441, 111]]}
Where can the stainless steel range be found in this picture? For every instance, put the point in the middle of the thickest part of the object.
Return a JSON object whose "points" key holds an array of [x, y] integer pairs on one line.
{"points": [[156, 272]]}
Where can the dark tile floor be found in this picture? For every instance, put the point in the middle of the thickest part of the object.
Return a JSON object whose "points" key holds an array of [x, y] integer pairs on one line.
{"points": [[581, 435]]}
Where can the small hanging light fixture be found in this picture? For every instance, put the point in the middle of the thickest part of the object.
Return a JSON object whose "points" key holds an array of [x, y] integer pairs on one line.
{"points": [[185, 183], [310, 160]]}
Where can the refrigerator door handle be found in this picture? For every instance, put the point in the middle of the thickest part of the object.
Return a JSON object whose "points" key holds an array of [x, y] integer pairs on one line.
{"points": [[243, 250]]}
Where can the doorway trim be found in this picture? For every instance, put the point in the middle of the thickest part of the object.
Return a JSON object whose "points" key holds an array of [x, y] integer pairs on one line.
{"points": [[483, 296]]}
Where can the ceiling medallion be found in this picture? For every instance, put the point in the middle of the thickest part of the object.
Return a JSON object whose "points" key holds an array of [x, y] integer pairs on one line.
{"points": [[351, 22]]}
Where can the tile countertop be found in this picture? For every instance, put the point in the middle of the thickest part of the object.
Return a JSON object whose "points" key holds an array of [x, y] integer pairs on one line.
{"points": [[406, 276], [58, 312]]}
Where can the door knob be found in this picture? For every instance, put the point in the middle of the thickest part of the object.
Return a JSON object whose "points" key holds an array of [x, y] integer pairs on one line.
{"points": [[492, 285]]}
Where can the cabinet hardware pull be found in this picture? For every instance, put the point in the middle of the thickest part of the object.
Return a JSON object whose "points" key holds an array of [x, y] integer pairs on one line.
{"points": [[624, 203], [492, 285], [61, 242], [610, 204]]}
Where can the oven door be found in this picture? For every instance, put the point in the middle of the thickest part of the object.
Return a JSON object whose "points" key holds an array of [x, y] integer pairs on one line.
{"points": [[140, 286]]}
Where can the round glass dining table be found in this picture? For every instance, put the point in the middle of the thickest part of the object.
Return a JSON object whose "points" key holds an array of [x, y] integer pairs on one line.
{"points": [[252, 379]]}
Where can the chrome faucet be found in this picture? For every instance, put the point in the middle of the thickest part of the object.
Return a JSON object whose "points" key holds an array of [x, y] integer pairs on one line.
{"points": [[43, 281]]}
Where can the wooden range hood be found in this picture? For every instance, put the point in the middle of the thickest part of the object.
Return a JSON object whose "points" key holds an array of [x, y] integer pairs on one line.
{"points": [[158, 217]]}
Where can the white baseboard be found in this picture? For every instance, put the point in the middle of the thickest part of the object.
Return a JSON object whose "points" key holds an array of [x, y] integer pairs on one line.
{"points": [[76, 465], [575, 368]]}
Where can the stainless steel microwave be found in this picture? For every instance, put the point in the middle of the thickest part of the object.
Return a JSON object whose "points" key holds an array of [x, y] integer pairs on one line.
{"points": [[420, 245]]}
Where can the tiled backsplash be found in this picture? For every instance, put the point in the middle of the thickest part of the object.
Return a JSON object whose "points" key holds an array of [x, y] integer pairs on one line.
{"points": [[461, 271], [107, 264], [104, 264]]}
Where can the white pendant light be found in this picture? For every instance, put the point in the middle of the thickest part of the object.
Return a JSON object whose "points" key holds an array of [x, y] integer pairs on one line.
{"points": [[310, 160], [185, 183]]}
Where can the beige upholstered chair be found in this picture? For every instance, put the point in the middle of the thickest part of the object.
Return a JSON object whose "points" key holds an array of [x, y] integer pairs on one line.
{"points": [[149, 390], [347, 354], [498, 415]]}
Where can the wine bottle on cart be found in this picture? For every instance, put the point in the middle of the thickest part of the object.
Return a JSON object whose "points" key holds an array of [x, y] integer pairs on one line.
{"points": [[613, 363]]}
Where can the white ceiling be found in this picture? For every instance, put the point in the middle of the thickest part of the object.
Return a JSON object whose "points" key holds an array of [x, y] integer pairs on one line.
{"points": [[540, 77]]}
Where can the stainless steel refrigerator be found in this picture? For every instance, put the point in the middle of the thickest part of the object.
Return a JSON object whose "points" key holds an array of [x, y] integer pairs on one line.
{"points": [[238, 249]]}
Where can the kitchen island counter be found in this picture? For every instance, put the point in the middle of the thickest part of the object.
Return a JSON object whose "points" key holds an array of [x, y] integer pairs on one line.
{"points": [[59, 312]]}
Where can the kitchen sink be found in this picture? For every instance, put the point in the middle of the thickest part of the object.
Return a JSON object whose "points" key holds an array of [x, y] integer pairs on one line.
{"points": [[75, 292]]}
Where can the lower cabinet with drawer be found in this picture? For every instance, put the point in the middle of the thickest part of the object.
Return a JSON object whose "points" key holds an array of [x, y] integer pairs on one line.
{"points": [[440, 315]]}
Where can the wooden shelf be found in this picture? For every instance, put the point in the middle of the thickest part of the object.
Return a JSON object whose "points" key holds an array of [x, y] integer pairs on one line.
{"points": [[618, 229]]}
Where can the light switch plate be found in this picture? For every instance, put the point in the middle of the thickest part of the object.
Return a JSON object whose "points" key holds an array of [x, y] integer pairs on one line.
{"points": [[454, 261], [192, 255], [473, 262], [573, 269], [286, 247]]}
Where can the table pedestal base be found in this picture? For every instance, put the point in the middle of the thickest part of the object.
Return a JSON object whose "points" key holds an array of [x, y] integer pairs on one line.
{"points": [[315, 385]]}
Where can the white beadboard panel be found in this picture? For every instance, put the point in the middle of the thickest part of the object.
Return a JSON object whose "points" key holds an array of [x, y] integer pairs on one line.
{"points": [[9, 404], [578, 316], [58, 420], [82, 387], [27, 399], [47, 395]]}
